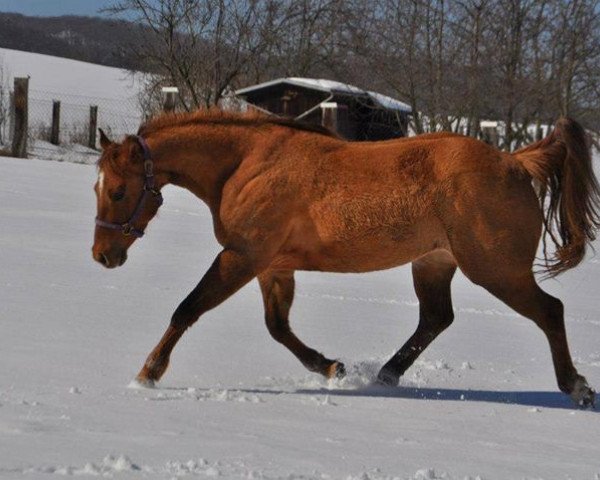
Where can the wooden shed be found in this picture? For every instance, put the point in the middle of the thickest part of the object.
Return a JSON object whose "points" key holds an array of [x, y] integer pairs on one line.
{"points": [[353, 113]]}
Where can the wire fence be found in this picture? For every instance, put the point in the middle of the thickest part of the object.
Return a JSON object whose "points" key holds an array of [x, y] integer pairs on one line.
{"points": [[74, 138]]}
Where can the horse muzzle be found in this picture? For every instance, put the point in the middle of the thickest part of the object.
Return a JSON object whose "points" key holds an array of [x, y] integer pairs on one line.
{"points": [[110, 258]]}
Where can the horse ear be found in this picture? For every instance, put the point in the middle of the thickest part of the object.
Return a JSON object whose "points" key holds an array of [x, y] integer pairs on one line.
{"points": [[136, 154], [104, 140]]}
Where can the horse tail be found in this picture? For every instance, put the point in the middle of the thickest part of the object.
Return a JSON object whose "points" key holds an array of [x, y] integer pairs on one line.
{"points": [[568, 190]]}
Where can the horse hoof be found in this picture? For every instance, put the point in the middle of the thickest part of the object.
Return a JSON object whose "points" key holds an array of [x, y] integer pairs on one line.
{"points": [[336, 370], [583, 395], [387, 379], [141, 383]]}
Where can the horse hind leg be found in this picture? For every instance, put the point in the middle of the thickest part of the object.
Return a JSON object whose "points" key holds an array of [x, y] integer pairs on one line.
{"points": [[277, 288], [432, 275], [525, 296], [502, 264]]}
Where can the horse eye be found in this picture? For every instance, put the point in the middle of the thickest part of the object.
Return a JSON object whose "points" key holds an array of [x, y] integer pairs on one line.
{"points": [[118, 194]]}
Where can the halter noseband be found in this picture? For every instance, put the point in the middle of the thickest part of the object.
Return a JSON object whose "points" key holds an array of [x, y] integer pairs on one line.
{"points": [[127, 228]]}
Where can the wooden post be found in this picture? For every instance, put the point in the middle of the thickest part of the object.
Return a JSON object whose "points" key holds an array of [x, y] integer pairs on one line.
{"points": [[21, 99], [11, 116], [55, 132], [329, 115], [489, 132], [93, 126], [169, 93]]}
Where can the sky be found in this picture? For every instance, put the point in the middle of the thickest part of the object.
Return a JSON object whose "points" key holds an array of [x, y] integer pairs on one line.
{"points": [[46, 8]]}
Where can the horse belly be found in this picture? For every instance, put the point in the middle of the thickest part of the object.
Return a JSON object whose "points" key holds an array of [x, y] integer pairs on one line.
{"points": [[364, 251], [380, 250]]}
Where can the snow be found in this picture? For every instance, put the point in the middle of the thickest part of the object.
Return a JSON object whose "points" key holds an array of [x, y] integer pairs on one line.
{"points": [[325, 85], [389, 102], [481, 402], [73, 153], [69, 77]]}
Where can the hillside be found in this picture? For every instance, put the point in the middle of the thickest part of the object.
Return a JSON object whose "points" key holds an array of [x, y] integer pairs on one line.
{"points": [[89, 39], [69, 77]]}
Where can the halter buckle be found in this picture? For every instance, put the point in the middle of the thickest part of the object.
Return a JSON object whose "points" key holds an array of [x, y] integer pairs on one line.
{"points": [[152, 190], [148, 167], [127, 228]]}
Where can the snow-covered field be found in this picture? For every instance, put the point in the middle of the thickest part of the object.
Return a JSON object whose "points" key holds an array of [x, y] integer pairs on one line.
{"points": [[481, 402], [69, 77]]}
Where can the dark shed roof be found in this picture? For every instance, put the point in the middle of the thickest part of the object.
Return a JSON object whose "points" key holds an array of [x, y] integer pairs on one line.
{"points": [[332, 87]]}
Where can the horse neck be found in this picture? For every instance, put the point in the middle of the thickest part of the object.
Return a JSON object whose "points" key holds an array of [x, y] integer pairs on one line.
{"points": [[199, 158]]}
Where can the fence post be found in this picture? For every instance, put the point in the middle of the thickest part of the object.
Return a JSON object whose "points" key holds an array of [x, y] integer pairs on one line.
{"points": [[489, 132], [329, 118], [21, 98], [169, 93], [55, 132], [11, 115], [93, 126]]}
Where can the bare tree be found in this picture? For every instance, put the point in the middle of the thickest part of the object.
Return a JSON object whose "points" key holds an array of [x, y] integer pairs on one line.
{"points": [[509, 34], [411, 47], [469, 27], [576, 55], [307, 37], [201, 46]]}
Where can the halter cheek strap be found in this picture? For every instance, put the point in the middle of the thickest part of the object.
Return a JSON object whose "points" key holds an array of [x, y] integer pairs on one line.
{"points": [[127, 228]]}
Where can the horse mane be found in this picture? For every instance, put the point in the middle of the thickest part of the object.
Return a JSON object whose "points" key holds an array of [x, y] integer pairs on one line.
{"points": [[220, 117]]}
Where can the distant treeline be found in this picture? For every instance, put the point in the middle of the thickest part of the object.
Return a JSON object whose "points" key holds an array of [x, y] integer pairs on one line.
{"points": [[95, 40]]}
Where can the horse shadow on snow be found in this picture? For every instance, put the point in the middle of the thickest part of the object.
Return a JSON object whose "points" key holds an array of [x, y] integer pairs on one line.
{"points": [[541, 399]]}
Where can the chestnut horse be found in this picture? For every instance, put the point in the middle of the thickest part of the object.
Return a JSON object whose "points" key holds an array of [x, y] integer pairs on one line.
{"points": [[287, 196]]}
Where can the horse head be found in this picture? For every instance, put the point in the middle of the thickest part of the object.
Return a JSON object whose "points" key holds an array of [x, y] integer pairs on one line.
{"points": [[127, 198]]}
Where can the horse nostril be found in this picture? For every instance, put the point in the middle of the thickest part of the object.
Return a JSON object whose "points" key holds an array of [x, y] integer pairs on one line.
{"points": [[103, 259]]}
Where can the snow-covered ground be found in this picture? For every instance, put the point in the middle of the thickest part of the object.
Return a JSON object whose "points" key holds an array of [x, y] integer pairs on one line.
{"points": [[480, 403]]}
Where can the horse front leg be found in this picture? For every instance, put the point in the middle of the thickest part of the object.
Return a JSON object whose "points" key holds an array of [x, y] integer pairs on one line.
{"points": [[229, 272]]}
